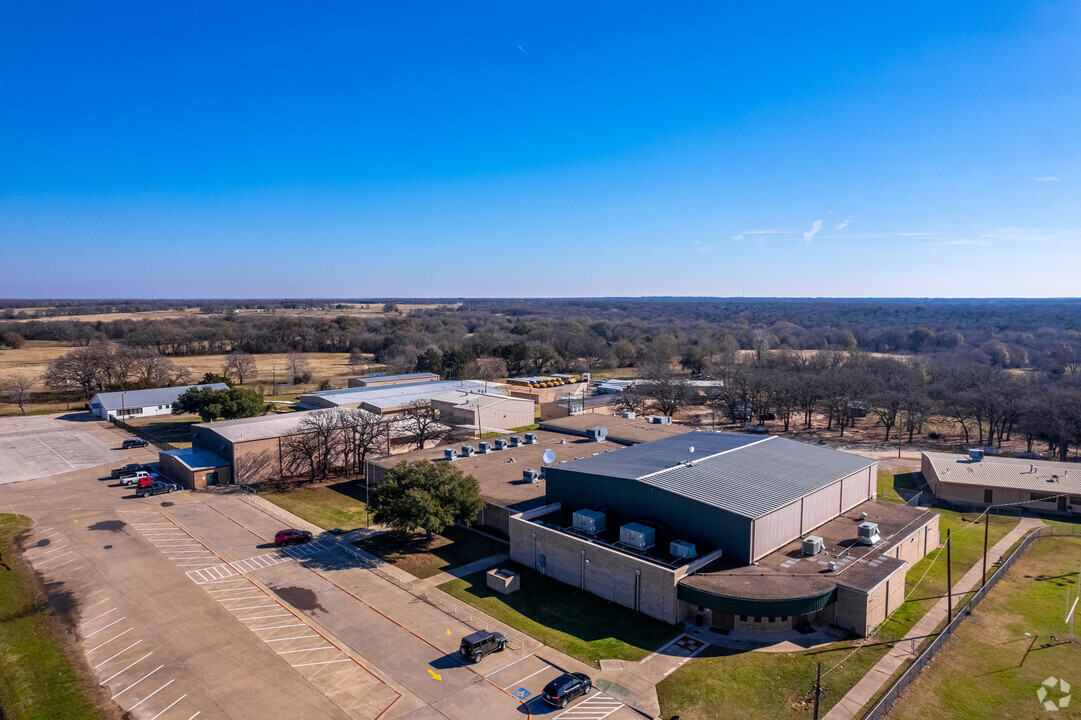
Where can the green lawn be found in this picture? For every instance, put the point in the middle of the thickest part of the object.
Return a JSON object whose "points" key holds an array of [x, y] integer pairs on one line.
{"points": [[967, 551], [37, 680], [340, 505], [570, 620], [424, 558], [989, 668], [176, 432], [887, 482], [758, 685]]}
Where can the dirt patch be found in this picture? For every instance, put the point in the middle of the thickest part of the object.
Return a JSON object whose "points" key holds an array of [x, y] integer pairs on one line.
{"points": [[61, 602], [300, 598], [110, 525]]}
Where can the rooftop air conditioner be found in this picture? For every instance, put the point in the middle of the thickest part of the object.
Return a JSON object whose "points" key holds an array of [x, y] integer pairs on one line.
{"points": [[515, 441], [629, 415], [638, 536], [597, 434], [812, 545], [868, 533], [590, 522], [682, 549], [530, 476], [450, 455], [484, 448], [468, 451], [500, 444], [531, 438], [976, 454]]}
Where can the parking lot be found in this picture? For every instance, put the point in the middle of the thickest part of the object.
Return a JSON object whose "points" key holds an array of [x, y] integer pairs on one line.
{"points": [[35, 447], [184, 608]]}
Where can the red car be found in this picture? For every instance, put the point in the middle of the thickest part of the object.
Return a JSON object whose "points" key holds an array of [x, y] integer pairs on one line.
{"points": [[145, 481], [291, 536]]}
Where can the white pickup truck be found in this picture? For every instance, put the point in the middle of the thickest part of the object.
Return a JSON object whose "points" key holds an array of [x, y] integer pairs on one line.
{"points": [[136, 477]]}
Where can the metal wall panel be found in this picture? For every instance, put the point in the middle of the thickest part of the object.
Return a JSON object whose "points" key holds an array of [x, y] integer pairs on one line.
{"points": [[821, 506], [854, 489], [775, 529]]}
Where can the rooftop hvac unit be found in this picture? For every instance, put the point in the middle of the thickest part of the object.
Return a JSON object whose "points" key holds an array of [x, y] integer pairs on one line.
{"points": [[590, 522], [868, 533], [468, 451], [450, 455], [515, 441], [683, 549], [597, 434], [484, 448], [531, 438], [976, 454], [638, 536], [629, 415], [530, 476], [812, 545], [500, 444]]}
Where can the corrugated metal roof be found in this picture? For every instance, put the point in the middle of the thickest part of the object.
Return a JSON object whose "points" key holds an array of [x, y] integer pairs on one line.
{"points": [[282, 425], [146, 398], [742, 474], [474, 399], [384, 396], [1014, 473], [395, 378]]}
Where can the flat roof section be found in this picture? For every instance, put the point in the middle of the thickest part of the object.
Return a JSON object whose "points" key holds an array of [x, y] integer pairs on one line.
{"points": [[369, 380], [625, 431], [197, 458], [266, 427], [1045, 476], [787, 573], [391, 396], [499, 478]]}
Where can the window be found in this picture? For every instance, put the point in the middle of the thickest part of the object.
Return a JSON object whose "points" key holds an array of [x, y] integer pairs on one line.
{"points": [[772, 619], [758, 619], [987, 495], [743, 618]]}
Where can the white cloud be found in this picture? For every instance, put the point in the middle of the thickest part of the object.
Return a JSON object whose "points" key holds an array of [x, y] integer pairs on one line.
{"points": [[810, 234], [844, 223], [1046, 178]]}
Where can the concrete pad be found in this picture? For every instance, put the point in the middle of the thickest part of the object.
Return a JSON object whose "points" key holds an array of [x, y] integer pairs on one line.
{"points": [[35, 454]]}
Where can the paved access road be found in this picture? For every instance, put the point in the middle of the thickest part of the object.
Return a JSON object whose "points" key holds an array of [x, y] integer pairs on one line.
{"points": [[185, 609]]}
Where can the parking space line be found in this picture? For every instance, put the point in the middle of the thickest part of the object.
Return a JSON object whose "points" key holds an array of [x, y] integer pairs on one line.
{"points": [[129, 687], [99, 602], [152, 694], [264, 617], [546, 666], [253, 607], [508, 665], [144, 657], [74, 559], [296, 637], [246, 597], [129, 647], [98, 617], [49, 552], [114, 622], [325, 647], [174, 702], [596, 707], [114, 637], [325, 662], [55, 557], [195, 715], [275, 627]]}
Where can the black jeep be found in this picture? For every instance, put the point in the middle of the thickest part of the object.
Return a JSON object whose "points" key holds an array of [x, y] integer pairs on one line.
{"points": [[481, 643]]}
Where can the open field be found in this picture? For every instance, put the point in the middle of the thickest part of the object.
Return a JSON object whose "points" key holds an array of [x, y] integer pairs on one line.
{"points": [[423, 558], [37, 679], [572, 621], [271, 373], [997, 660], [350, 309], [340, 505]]}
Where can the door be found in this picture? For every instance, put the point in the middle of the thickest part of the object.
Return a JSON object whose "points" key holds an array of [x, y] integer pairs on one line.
{"points": [[211, 478], [1062, 503]]}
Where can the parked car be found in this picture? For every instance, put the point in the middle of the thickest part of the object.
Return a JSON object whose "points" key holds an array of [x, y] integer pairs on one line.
{"points": [[134, 443], [291, 536], [482, 643], [143, 482], [158, 487], [130, 469], [136, 477], [566, 688]]}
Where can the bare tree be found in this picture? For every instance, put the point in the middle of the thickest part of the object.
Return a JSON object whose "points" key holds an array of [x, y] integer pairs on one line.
{"points": [[153, 370], [17, 391], [667, 392], [421, 425], [487, 368], [299, 367], [240, 365], [364, 434], [324, 427], [80, 368], [357, 360], [303, 450], [632, 399]]}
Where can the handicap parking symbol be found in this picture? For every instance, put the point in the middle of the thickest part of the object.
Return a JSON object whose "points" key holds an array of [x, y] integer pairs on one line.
{"points": [[522, 693]]}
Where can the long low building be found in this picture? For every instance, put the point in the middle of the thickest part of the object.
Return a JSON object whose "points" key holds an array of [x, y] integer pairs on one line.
{"points": [[391, 399], [980, 481], [717, 523], [483, 411], [381, 379], [142, 403], [622, 430]]}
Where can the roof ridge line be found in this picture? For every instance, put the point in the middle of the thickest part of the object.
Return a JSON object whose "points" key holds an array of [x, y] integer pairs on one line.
{"points": [[704, 458]]}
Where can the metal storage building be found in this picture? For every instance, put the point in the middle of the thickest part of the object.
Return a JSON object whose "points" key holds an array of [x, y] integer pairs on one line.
{"points": [[142, 403], [744, 494]]}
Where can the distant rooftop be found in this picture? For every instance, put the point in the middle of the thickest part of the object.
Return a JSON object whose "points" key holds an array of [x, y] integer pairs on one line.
{"points": [[625, 431], [151, 396], [280, 425], [382, 379], [1037, 475], [389, 396]]}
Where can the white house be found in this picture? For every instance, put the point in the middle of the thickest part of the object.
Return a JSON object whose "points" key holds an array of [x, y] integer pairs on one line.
{"points": [[130, 403]]}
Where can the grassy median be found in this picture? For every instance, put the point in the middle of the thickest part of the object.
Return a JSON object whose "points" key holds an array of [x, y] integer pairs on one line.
{"points": [[340, 505], [38, 681], [424, 557]]}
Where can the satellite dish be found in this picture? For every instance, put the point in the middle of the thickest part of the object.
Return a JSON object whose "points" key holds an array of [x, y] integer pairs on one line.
{"points": [[548, 457], [690, 449]]}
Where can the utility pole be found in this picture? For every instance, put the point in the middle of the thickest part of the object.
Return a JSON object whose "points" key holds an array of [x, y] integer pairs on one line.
{"points": [[986, 526], [818, 689], [949, 583]]}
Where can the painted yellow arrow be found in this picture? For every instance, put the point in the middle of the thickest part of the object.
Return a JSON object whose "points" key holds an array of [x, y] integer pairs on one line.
{"points": [[434, 674]]}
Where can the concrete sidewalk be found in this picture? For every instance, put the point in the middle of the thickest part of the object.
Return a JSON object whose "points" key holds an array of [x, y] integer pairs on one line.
{"points": [[852, 704], [468, 568]]}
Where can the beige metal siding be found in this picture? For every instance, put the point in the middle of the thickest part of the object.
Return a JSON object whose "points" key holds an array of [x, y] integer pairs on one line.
{"points": [[854, 489], [775, 529], [821, 506]]}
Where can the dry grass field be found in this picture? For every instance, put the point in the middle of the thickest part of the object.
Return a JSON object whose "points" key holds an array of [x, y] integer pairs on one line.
{"points": [[352, 309]]}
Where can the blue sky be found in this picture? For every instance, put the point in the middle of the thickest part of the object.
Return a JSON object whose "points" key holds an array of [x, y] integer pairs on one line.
{"points": [[540, 149]]}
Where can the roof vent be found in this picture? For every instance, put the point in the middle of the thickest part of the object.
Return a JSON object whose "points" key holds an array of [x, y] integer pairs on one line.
{"points": [[812, 545]]}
